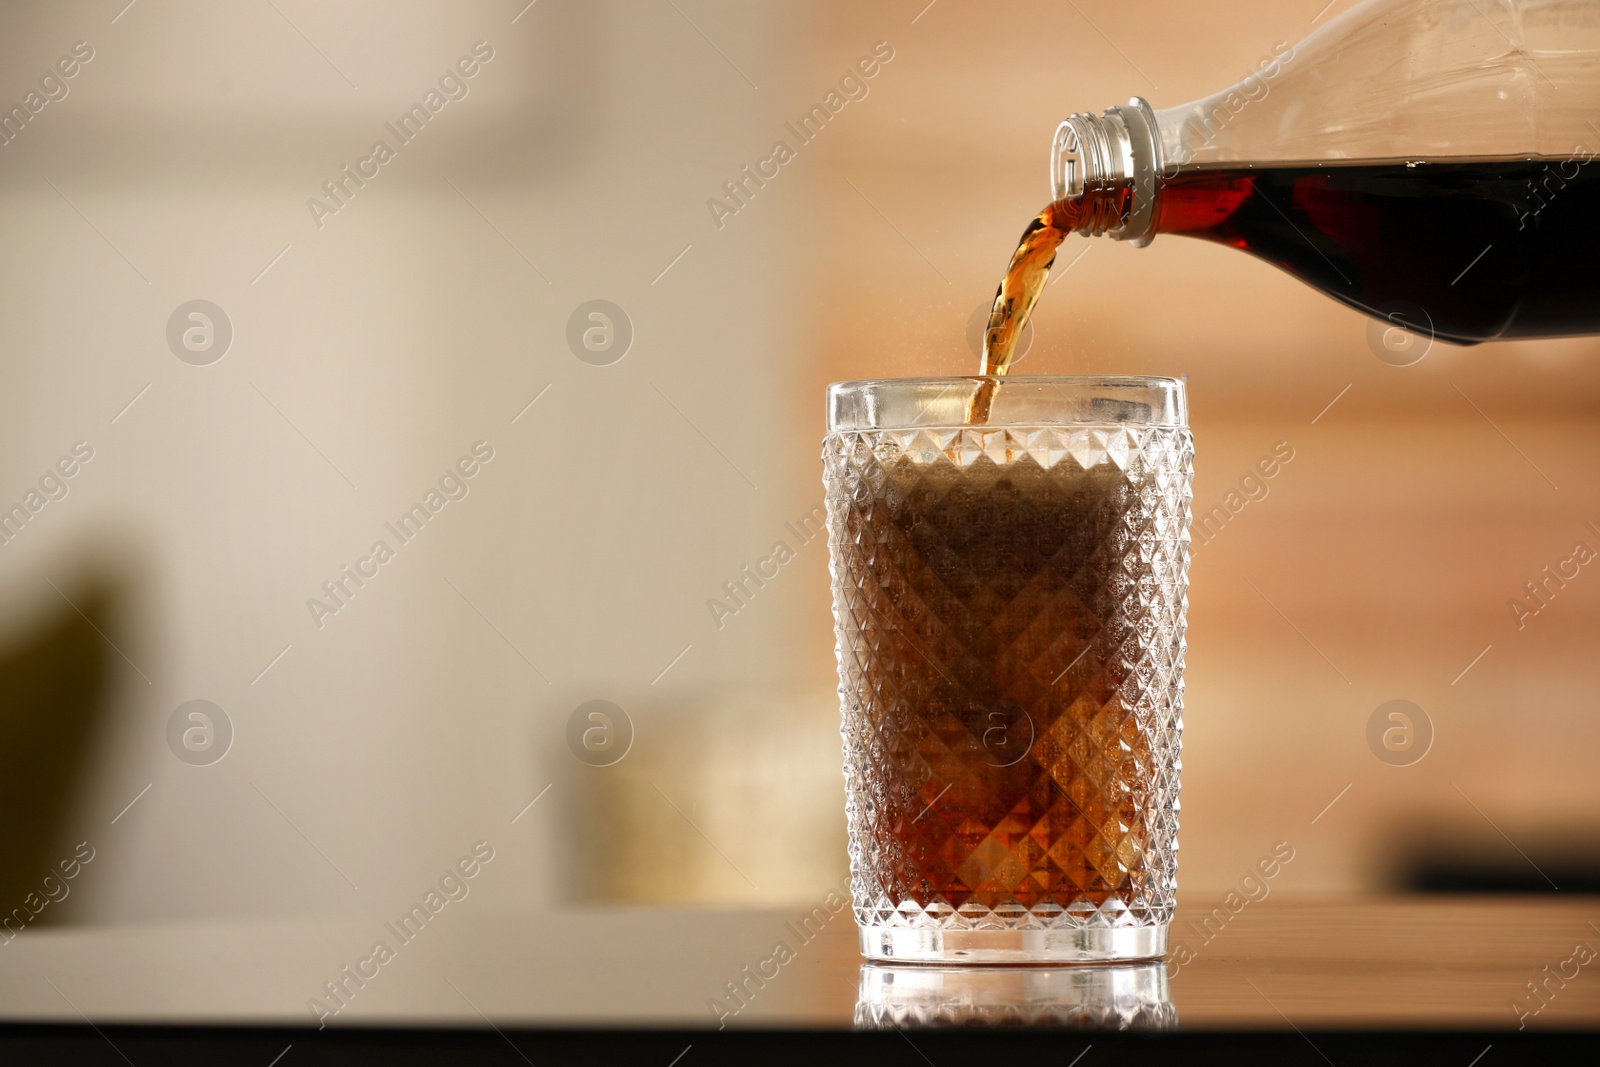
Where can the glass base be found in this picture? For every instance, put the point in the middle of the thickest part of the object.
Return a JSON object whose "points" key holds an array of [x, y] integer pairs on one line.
{"points": [[1088, 944], [1112, 996]]}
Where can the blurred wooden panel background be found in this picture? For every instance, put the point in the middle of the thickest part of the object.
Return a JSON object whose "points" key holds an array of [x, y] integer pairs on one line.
{"points": [[1381, 561]]}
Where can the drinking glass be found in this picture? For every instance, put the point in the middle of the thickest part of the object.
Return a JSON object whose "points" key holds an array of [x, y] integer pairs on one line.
{"points": [[1009, 601]]}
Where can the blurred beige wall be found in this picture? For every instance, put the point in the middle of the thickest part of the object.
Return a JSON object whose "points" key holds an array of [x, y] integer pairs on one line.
{"points": [[371, 352], [421, 318]]}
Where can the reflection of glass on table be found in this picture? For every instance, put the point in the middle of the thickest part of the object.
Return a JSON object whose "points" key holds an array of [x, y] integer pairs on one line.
{"points": [[1098, 997]]}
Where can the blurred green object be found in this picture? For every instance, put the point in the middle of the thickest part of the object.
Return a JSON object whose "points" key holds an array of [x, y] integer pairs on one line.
{"points": [[53, 688]]}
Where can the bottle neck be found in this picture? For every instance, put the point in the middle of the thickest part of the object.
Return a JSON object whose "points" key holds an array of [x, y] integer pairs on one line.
{"points": [[1110, 165]]}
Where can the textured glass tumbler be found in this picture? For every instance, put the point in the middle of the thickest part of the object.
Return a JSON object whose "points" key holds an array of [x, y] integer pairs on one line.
{"points": [[1009, 604]]}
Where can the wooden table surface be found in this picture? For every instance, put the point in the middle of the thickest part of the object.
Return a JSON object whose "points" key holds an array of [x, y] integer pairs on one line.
{"points": [[1410, 963]]}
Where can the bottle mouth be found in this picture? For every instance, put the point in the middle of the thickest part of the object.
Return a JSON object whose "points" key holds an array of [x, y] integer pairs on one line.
{"points": [[1081, 156], [1112, 161]]}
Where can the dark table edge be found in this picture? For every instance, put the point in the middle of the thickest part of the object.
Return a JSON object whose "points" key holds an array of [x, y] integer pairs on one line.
{"points": [[296, 1046]]}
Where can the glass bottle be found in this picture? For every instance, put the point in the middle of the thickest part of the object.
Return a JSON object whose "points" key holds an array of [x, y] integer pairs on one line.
{"points": [[1429, 162]]}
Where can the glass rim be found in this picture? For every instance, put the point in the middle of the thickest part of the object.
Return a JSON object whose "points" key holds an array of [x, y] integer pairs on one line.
{"points": [[1018, 401], [1146, 380]]}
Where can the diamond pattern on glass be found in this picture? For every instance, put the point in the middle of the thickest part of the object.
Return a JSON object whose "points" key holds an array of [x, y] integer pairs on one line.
{"points": [[1009, 608]]}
